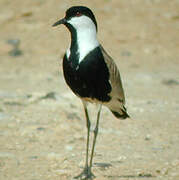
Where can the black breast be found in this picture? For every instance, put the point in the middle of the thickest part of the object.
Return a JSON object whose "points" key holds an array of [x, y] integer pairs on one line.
{"points": [[90, 78]]}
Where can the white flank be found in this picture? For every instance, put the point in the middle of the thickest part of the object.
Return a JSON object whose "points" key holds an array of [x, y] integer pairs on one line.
{"points": [[86, 35]]}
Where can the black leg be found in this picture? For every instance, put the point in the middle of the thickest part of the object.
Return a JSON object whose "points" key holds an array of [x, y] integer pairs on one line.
{"points": [[88, 125], [95, 135], [86, 173]]}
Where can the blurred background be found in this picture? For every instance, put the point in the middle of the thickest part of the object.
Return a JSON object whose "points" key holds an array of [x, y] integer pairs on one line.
{"points": [[42, 126]]}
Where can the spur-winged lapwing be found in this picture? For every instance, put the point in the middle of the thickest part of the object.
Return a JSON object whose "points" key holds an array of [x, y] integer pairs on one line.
{"points": [[90, 72]]}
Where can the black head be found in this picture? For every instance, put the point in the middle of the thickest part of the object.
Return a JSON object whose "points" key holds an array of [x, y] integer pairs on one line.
{"points": [[76, 11]]}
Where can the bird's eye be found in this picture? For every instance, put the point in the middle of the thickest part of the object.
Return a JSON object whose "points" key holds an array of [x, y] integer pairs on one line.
{"points": [[78, 14]]}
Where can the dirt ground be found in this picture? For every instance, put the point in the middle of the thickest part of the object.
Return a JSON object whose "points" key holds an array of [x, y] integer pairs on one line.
{"points": [[42, 126]]}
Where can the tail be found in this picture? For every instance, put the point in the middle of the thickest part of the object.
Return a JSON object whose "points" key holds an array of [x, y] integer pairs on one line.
{"points": [[121, 115]]}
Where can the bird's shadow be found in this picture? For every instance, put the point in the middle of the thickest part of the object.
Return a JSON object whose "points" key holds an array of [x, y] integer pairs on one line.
{"points": [[105, 166], [147, 175]]}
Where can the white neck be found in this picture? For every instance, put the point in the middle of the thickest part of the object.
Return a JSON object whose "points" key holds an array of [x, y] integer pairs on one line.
{"points": [[86, 35]]}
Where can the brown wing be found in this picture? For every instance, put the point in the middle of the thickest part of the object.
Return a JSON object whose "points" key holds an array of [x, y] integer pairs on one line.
{"points": [[116, 105], [115, 79]]}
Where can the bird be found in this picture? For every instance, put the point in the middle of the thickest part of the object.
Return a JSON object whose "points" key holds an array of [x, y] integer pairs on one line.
{"points": [[91, 73]]}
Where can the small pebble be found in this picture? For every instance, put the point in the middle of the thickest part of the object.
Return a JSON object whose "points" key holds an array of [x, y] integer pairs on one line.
{"points": [[158, 171], [15, 52], [14, 42], [148, 137], [170, 82], [41, 129], [145, 175], [50, 95], [33, 157], [26, 14]]}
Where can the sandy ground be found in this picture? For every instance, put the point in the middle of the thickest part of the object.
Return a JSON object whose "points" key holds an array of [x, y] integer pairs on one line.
{"points": [[42, 126]]}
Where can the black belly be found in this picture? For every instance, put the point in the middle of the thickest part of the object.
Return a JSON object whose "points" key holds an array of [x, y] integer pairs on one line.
{"points": [[89, 79]]}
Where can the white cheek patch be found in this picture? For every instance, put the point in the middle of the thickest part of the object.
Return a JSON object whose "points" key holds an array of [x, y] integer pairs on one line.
{"points": [[86, 35]]}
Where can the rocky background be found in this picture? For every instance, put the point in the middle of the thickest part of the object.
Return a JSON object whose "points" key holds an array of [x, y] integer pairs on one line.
{"points": [[42, 126]]}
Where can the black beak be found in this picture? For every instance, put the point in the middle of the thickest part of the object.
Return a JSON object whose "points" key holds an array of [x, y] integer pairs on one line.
{"points": [[61, 21]]}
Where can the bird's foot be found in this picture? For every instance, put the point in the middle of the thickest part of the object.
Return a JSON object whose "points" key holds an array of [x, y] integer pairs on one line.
{"points": [[86, 174]]}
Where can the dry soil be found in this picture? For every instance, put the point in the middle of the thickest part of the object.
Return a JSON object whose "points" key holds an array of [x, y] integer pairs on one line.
{"points": [[42, 125]]}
